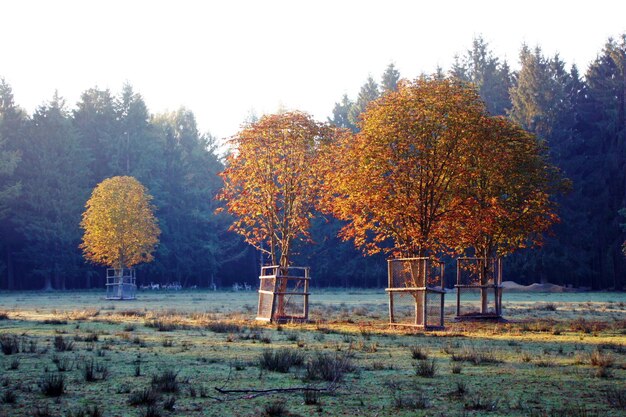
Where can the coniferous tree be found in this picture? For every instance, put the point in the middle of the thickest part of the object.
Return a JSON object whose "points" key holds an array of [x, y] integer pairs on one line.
{"points": [[54, 178], [369, 92], [341, 113], [390, 79], [492, 79], [12, 123]]}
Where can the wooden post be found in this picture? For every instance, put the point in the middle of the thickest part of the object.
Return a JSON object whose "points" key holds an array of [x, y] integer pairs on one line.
{"points": [[389, 285], [306, 294], [425, 308], [458, 287]]}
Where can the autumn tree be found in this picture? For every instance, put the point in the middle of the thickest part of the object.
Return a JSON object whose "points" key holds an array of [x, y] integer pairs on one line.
{"points": [[271, 184], [396, 183], [508, 200], [121, 230]]}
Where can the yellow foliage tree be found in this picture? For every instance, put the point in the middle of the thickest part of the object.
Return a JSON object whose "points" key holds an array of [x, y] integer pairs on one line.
{"points": [[121, 230]]}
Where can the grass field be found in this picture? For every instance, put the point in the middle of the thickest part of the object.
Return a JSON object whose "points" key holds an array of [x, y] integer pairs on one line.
{"points": [[167, 354]]}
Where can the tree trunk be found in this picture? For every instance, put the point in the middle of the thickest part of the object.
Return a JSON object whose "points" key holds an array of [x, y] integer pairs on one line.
{"points": [[484, 280]]}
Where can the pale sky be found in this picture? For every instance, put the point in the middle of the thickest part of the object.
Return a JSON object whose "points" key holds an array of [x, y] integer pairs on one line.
{"points": [[224, 59]]}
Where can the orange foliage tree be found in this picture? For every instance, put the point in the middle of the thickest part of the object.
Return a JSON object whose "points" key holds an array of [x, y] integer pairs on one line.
{"points": [[507, 200], [432, 172], [397, 182], [271, 183], [120, 228]]}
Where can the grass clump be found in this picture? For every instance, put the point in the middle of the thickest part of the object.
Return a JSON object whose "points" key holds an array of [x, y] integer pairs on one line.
{"points": [[52, 385], [280, 360], [426, 368], [223, 327], [147, 396], [475, 356], [418, 353], [8, 397], [616, 397], [94, 371], [600, 359], [62, 345], [275, 409], [166, 381], [10, 344], [86, 411], [328, 367]]}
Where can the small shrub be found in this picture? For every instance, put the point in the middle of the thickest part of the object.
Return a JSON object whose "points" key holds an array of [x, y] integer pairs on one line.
{"points": [[223, 327], [151, 411], [418, 353], [526, 357], [311, 397], [14, 365], [62, 345], [601, 359], [52, 385], [56, 322], [280, 360], [147, 396], [169, 404], [545, 363], [327, 367], [130, 327], [456, 368], [91, 337], [63, 364], [604, 372], [616, 397], [94, 371], [461, 389], [413, 399], [8, 397], [166, 381], [86, 411], [426, 368], [3, 316], [42, 412], [162, 325], [9, 344], [475, 356], [275, 409], [477, 402]]}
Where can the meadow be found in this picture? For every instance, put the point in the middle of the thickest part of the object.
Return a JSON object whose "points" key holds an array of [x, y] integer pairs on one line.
{"points": [[201, 353]]}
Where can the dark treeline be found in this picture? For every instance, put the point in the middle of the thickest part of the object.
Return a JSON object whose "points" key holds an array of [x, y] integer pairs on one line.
{"points": [[51, 160]]}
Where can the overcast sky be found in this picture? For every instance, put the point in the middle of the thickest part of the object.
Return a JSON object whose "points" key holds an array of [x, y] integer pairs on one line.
{"points": [[224, 59]]}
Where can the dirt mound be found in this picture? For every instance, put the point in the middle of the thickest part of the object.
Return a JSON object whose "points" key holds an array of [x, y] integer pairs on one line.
{"points": [[514, 286]]}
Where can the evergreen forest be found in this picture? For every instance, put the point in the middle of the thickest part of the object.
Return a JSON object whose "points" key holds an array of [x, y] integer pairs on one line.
{"points": [[51, 160]]}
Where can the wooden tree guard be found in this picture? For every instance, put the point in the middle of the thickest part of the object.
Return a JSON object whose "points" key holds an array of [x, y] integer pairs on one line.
{"points": [[121, 284], [416, 292], [479, 275], [284, 294]]}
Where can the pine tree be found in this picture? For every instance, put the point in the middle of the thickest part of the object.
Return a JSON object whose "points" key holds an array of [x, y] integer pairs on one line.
{"points": [[341, 113], [390, 79], [492, 78], [54, 175], [12, 123], [369, 92]]}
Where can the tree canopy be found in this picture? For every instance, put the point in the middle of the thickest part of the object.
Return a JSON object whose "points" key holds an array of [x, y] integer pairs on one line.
{"points": [[120, 228], [431, 171], [271, 182]]}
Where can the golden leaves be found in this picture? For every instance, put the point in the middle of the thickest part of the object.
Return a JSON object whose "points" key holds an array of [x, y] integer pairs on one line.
{"points": [[119, 224]]}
